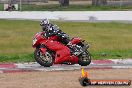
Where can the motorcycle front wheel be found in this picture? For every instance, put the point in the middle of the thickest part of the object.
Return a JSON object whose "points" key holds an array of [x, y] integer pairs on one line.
{"points": [[84, 59], [45, 60]]}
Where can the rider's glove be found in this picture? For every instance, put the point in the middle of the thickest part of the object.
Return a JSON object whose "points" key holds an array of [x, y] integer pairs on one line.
{"points": [[69, 44]]}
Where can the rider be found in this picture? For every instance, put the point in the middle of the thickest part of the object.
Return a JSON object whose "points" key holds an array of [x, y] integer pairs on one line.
{"points": [[51, 30], [62, 51]]}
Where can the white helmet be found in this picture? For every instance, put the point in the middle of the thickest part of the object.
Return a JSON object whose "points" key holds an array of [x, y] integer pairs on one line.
{"points": [[44, 22]]}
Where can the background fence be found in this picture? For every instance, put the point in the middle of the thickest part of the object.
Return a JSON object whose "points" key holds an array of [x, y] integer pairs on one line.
{"points": [[109, 2], [70, 2]]}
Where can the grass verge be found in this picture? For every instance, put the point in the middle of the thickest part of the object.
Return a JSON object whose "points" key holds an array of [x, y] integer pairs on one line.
{"points": [[57, 7], [107, 40], [73, 8]]}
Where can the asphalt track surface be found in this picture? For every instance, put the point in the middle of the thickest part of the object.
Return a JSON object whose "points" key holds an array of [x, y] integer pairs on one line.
{"points": [[61, 79], [32, 75]]}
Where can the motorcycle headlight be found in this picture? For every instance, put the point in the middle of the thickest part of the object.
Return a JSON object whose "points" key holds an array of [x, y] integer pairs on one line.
{"points": [[34, 41]]}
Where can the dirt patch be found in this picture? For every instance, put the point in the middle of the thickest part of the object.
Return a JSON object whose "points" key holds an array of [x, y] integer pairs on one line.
{"points": [[61, 79]]}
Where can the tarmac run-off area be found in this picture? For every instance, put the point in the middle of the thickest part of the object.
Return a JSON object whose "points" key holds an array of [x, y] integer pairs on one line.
{"points": [[32, 75]]}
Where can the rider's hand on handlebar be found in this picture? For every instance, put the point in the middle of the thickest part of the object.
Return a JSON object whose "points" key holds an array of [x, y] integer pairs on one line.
{"points": [[69, 44]]}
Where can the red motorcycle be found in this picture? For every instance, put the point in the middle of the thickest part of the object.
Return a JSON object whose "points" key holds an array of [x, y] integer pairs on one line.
{"points": [[45, 56]]}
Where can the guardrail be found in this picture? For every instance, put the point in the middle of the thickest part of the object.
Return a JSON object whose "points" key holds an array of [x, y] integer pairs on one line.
{"points": [[69, 15]]}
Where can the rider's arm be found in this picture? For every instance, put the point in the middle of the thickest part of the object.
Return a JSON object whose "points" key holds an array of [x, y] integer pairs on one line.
{"points": [[64, 37], [54, 30]]}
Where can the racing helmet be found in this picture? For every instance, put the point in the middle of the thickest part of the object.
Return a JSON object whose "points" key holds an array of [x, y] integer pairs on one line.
{"points": [[44, 23]]}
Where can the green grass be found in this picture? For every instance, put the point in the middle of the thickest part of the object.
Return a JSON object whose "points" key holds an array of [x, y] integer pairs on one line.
{"points": [[17, 58], [1, 7], [57, 7], [72, 8], [107, 40]]}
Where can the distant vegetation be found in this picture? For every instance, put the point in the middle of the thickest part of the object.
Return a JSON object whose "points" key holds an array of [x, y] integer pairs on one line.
{"points": [[73, 8], [32, 7]]}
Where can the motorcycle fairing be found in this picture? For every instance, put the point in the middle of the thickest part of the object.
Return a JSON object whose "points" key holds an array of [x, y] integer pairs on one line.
{"points": [[43, 50]]}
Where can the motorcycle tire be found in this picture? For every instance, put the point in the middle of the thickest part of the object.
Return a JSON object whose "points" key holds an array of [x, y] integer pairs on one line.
{"points": [[41, 59], [84, 61]]}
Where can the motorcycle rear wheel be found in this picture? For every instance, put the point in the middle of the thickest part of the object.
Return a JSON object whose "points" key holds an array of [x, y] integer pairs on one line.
{"points": [[45, 60], [84, 59]]}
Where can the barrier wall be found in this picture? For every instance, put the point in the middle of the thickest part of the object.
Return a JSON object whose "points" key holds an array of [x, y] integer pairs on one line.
{"points": [[69, 15]]}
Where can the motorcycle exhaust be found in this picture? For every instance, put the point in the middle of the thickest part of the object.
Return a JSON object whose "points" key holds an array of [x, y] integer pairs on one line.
{"points": [[85, 47]]}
